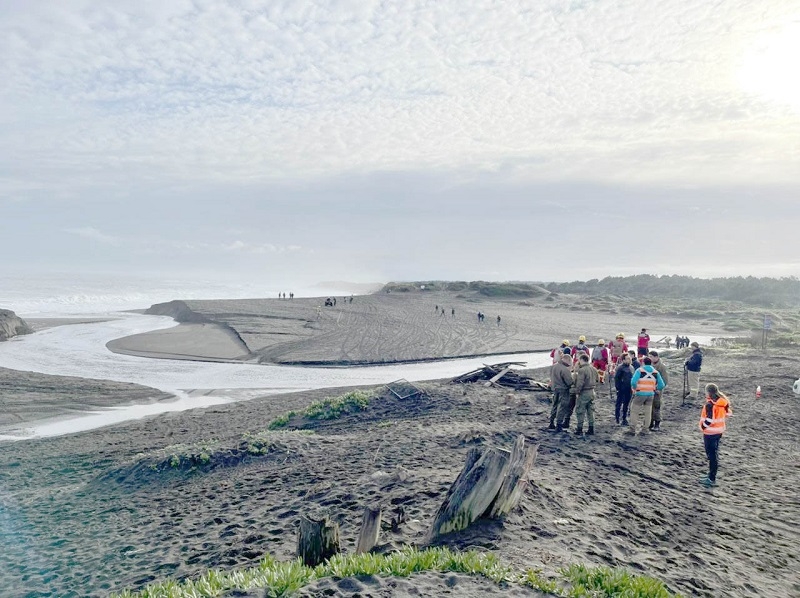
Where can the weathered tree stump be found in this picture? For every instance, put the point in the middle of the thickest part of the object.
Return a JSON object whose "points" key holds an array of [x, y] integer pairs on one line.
{"points": [[370, 529], [516, 479], [317, 540], [490, 485], [472, 493]]}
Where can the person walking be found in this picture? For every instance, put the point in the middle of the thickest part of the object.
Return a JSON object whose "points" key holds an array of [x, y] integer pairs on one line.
{"points": [[617, 348], [561, 381], [642, 342], [556, 353], [578, 349], [646, 380], [661, 368], [712, 424], [600, 360], [622, 382], [585, 381], [693, 366]]}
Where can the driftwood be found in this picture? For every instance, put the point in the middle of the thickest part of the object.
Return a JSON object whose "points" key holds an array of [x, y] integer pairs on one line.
{"points": [[501, 374], [370, 529], [317, 540], [490, 485]]}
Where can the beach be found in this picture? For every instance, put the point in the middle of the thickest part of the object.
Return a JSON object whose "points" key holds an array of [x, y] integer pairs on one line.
{"points": [[99, 511]]}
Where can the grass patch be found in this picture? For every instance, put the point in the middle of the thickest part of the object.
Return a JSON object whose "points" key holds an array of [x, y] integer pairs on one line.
{"points": [[284, 578], [331, 408]]}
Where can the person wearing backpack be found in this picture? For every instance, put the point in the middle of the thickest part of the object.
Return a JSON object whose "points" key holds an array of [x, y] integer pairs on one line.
{"points": [[600, 360], [646, 380], [578, 349]]}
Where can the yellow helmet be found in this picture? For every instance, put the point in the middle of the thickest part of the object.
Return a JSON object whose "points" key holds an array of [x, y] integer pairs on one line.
{"points": [[620, 335], [601, 342], [565, 342], [582, 339]]}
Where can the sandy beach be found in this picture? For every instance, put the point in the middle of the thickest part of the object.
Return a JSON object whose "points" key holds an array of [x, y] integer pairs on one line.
{"points": [[100, 511]]}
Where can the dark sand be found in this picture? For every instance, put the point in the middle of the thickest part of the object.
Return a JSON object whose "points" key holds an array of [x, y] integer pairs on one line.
{"points": [[86, 514]]}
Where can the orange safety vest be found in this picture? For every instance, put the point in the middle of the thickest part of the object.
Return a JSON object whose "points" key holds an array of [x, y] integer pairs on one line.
{"points": [[713, 414], [647, 382]]}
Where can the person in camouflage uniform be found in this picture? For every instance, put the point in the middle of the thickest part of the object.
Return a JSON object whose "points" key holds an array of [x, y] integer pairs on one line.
{"points": [[585, 381]]}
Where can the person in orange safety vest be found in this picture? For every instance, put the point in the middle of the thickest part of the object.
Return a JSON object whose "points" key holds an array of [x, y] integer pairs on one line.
{"points": [[712, 424]]}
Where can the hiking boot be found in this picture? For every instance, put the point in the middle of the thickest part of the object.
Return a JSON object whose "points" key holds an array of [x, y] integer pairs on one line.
{"points": [[590, 431], [617, 420], [552, 426], [656, 426], [651, 426], [708, 482], [559, 428]]}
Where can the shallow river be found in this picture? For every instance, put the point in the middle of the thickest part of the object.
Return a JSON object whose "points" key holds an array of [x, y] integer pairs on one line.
{"points": [[80, 350]]}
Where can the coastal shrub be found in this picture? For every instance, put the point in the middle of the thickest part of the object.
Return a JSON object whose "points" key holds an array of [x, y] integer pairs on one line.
{"points": [[281, 421], [605, 581], [284, 578], [189, 456], [351, 402]]}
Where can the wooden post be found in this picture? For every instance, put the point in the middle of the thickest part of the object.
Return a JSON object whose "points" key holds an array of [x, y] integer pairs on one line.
{"points": [[516, 480], [370, 530], [317, 540]]}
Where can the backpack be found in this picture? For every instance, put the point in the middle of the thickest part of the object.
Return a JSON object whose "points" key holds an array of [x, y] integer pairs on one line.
{"points": [[597, 354]]}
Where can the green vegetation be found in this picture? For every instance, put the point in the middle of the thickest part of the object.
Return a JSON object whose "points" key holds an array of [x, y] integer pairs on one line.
{"points": [[283, 579], [331, 408], [766, 292], [497, 290], [189, 456]]}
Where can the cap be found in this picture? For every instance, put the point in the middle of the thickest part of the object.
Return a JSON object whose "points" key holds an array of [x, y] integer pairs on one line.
{"points": [[644, 329], [582, 338], [601, 342]]}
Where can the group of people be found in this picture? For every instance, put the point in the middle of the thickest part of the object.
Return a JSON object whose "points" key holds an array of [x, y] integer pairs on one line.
{"points": [[681, 342], [283, 295], [640, 378]]}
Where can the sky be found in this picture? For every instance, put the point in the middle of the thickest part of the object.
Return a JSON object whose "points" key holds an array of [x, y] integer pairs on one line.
{"points": [[372, 141]]}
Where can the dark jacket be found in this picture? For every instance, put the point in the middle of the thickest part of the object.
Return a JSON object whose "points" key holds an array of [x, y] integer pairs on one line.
{"points": [[622, 379], [695, 361]]}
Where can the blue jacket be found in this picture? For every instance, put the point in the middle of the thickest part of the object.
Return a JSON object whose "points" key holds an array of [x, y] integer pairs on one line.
{"points": [[646, 370], [695, 361]]}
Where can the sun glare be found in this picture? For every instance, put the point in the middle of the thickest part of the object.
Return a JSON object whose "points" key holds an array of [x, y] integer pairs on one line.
{"points": [[771, 68]]}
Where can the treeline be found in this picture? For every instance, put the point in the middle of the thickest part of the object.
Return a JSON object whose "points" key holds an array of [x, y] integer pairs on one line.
{"points": [[489, 289], [768, 292]]}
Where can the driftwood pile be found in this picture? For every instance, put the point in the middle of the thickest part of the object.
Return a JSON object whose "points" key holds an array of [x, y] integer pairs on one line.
{"points": [[501, 374]]}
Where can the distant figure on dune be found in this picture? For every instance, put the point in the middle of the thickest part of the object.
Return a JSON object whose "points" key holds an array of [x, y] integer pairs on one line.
{"points": [[498, 320], [712, 424], [453, 312]]}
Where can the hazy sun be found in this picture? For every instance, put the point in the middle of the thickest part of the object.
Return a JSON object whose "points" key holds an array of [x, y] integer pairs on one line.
{"points": [[772, 67]]}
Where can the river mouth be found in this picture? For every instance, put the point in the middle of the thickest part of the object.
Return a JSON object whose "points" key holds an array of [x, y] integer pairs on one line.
{"points": [[79, 350]]}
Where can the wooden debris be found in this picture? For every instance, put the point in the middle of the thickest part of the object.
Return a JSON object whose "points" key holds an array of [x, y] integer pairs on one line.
{"points": [[501, 374]]}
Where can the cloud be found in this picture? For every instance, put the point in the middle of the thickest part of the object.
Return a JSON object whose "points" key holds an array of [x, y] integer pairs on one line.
{"points": [[241, 91], [88, 232]]}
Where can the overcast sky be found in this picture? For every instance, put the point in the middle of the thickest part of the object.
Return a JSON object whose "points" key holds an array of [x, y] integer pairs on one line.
{"points": [[373, 141]]}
